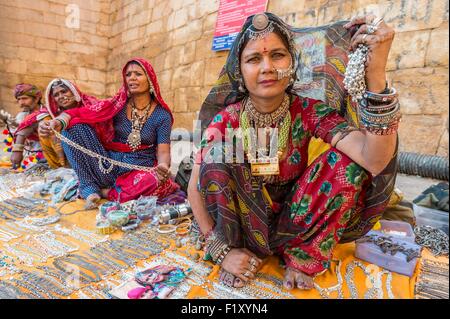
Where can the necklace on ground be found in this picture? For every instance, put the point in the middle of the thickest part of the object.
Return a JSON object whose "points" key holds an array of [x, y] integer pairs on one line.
{"points": [[137, 122], [263, 160]]}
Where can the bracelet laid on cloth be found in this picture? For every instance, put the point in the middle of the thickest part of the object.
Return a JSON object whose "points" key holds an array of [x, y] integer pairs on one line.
{"points": [[166, 228]]}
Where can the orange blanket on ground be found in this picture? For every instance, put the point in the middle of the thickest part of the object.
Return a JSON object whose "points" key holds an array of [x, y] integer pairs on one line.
{"points": [[402, 286]]}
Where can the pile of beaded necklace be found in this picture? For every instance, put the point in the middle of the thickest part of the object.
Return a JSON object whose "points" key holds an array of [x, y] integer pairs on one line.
{"points": [[137, 122], [263, 161]]}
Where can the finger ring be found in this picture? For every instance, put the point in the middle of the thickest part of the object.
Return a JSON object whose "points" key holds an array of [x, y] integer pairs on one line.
{"points": [[252, 268], [253, 261], [364, 38], [247, 273], [377, 21]]}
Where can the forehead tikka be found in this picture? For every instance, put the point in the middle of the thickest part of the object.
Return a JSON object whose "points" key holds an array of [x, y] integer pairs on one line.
{"points": [[262, 27]]}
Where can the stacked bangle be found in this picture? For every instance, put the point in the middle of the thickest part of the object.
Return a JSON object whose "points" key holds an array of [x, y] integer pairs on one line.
{"points": [[379, 113], [63, 124], [385, 97], [222, 255], [217, 248], [64, 119]]}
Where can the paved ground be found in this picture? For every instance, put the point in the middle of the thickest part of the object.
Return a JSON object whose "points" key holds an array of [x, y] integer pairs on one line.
{"points": [[412, 186]]}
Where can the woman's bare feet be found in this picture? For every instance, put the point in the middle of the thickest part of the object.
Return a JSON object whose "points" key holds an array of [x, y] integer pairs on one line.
{"points": [[295, 278], [230, 280], [92, 201]]}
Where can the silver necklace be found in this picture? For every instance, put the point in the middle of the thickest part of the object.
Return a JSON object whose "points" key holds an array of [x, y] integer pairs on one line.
{"points": [[267, 119], [102, 160], [137, 122], [376, 285], [325, 292]]}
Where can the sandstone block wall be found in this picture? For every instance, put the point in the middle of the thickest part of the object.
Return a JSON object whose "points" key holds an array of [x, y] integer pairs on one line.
{"points": [[36, 45]]}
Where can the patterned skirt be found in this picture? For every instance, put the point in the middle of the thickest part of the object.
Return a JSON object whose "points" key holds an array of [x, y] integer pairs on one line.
{"points": [[315, 211], [124, 184]]}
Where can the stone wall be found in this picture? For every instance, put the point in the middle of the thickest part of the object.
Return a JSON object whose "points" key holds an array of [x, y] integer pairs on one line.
{"points": [[176, 36]]}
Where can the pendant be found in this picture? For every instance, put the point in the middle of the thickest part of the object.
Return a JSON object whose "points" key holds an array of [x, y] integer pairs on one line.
{"points": [[134, 139], [265, 166]]}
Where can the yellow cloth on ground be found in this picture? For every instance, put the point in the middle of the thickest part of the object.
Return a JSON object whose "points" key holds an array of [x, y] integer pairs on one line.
{"points": [[402, 286]]}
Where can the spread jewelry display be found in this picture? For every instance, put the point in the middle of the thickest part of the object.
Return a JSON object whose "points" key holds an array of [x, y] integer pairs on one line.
{"points": [[39, 248], [82, 235], [375, 290], [21, 207], [434, 239], [432, 282], [326, 292]]}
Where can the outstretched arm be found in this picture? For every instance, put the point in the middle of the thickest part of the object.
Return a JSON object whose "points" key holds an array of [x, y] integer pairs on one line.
{"points": [[371, 151]]}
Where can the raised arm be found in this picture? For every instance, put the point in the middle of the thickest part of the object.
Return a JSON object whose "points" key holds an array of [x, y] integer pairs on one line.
{"points": [[371, 151]]}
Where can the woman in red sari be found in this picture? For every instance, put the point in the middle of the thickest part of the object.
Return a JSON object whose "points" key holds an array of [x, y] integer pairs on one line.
{"points": [[133, 128], [259, 197]]}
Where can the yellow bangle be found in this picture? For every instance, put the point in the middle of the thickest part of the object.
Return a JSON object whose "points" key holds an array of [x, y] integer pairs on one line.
{"points": [[178, 221], [104, 228], [165, 229], [183, 228]]}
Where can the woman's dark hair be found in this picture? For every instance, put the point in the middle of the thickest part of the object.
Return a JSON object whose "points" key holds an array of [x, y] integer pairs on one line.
{"points": [[56, 84]]}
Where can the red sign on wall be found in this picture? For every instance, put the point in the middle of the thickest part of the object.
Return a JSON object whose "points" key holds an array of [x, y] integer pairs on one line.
{"points": [[231, 17]]}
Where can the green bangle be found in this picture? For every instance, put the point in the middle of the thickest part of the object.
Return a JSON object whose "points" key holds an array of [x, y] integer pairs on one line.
{"points": [[207, 256], [63, 124]]}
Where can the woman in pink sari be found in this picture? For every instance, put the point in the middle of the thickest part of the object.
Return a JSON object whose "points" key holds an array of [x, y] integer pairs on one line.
{"points": [[133, 128]]}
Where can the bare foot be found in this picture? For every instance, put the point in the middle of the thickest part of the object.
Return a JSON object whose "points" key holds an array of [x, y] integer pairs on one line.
{"points": [[92, 201], [230, 280], [295, 278], [242, 264]]}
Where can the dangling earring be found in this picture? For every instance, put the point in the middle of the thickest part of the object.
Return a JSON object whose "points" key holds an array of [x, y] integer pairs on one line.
{"points": [[242, 87]]}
